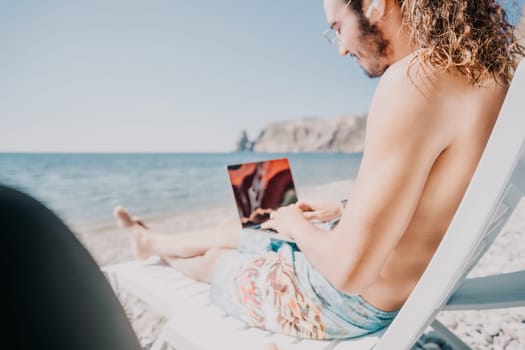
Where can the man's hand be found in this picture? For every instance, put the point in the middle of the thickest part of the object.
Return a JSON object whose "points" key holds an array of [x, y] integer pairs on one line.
{"points": [[319, 209], [288, 221], [258, 215]]}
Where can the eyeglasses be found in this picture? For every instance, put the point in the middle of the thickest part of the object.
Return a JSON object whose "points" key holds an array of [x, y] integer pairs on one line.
{"points": [[331, 34]]}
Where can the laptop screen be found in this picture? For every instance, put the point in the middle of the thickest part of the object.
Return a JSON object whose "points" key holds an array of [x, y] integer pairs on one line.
{"points": [[260, 187]]}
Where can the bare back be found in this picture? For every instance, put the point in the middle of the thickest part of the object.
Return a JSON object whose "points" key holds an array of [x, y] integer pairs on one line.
{"points": [[467, 116]]}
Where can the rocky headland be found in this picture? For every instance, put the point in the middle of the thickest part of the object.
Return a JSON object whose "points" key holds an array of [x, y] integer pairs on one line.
{"points": [[337, 134]]}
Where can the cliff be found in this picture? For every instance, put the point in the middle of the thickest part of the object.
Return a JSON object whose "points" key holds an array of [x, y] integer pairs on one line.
{"points": [[339, 134]]}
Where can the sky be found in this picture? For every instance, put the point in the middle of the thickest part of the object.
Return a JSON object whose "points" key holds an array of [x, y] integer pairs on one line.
{"points": [[165, 75]]}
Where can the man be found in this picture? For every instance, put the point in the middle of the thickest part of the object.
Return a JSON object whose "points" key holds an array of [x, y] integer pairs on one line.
{"points": [[445, 68]]}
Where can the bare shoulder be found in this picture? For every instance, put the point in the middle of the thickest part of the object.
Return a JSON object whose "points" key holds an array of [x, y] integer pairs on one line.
{"points": [[407, 104], [402, 89]]}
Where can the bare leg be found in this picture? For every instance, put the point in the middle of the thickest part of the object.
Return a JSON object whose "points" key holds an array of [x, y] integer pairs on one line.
{"points": [[200, 268], [184, 245]]}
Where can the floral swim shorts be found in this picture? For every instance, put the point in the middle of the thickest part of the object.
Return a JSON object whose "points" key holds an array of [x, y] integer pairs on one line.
{"points": [[273, 287]]}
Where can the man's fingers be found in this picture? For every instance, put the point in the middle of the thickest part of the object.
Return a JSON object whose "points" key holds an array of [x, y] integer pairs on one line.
{"points": [[318, 214], [268, 224], [310, 214], [304, 206]]}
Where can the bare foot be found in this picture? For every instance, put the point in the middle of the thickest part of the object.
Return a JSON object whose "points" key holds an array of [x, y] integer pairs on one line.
{"points": [[139, 232]]}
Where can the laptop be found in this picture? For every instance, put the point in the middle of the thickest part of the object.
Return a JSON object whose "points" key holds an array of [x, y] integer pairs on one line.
{"points": [[261, 187]]}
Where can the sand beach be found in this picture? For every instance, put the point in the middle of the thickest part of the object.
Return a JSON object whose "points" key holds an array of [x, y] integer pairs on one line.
{"points": [[494, 329]]}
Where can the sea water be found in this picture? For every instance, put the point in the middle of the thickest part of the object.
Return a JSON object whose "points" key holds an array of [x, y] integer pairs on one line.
{"points": [[83, 189]]}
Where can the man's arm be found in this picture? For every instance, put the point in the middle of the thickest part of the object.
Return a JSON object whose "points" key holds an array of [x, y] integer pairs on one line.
{"points": [[402, 142]]}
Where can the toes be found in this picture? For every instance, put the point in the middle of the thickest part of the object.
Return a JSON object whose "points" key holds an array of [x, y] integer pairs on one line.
{"points": [[117, 210], [122, 216], [125, 220], [139, 222]]}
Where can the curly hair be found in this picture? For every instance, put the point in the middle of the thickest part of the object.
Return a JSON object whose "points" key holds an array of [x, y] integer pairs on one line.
{"points": [[472, 37]]}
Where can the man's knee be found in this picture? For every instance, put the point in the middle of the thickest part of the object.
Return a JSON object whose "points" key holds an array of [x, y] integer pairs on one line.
{"points": [[230, 223]]}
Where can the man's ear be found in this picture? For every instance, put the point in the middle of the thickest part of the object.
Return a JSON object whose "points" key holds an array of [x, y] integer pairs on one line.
{"points": [[376, 9]]}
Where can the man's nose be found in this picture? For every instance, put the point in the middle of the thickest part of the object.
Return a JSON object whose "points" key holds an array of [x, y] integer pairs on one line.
{"points": [[343, 51]]}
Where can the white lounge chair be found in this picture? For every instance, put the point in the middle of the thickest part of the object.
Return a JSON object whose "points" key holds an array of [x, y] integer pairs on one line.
{"points": [[494, 192]]}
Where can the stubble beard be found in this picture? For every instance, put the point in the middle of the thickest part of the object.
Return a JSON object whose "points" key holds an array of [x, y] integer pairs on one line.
{"points": [[375, 45]]}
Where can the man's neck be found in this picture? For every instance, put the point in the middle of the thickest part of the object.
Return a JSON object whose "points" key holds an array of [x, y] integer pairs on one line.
{"points": [[399, 38]]}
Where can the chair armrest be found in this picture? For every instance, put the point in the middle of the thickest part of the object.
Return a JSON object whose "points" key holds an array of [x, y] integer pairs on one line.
{"points": [[490, 292]]}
